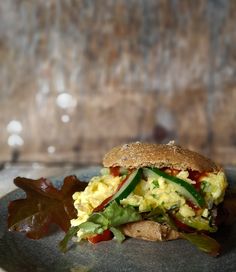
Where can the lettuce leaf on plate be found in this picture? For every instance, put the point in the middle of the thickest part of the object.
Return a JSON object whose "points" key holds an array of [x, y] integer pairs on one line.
{"points": [[112, 217], [203, 243]]}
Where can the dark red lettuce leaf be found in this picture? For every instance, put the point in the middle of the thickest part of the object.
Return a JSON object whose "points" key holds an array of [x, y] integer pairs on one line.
{"points": [[44, 205]]}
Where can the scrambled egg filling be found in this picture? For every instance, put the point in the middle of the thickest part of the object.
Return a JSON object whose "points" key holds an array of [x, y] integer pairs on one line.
{"points": [[149, 194], [98, 189]]}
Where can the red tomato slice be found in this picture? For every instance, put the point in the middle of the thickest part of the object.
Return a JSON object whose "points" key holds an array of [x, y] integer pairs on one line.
{"points": [[105, 236]]}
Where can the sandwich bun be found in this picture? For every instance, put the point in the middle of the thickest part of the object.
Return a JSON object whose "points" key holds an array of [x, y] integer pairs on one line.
{"points": [[137, 155]]}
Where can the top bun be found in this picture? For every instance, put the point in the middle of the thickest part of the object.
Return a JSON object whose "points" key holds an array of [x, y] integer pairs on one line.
{"points": [[136, 155]]}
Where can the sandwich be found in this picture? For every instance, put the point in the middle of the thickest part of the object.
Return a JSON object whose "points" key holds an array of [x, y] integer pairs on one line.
{"points": [[155, 192]]}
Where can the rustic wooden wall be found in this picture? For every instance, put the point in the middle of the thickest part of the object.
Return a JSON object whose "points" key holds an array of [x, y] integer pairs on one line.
{"points": [[150, 70]]}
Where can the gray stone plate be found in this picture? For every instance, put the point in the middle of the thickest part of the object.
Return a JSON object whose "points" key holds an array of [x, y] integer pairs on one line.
{"points": [[18, 253]]}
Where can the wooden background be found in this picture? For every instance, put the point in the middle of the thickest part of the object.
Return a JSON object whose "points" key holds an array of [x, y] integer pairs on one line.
{"points": [[150, 70]]}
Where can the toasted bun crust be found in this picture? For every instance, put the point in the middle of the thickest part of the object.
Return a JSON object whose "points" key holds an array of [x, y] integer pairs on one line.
{"points": [[136, 155]]}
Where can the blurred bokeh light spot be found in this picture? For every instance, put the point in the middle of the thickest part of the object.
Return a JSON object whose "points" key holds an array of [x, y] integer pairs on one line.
{"points": [[65, 118], [14, 126], [36, 165], [51, 149], [15, 140], [65, 101]]}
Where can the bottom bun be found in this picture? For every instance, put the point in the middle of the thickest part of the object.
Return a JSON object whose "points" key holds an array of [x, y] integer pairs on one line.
{"points": [[150, 230]]}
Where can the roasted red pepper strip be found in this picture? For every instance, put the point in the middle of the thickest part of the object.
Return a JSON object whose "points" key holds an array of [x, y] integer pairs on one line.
{"points": [[194, 207], [103, 204], [196, 176], [105, 236], [106, 201], [121, 184], [181, 226], [115, 171]]}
